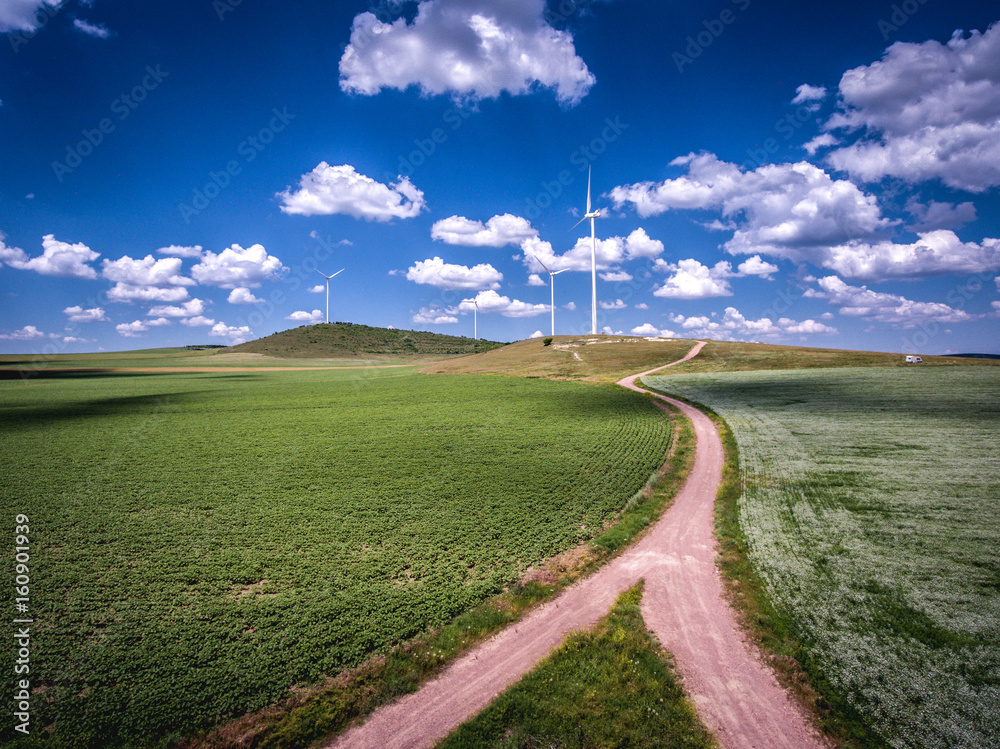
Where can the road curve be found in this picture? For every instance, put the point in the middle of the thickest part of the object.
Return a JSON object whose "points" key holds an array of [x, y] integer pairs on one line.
{"points": [[736, 695]]}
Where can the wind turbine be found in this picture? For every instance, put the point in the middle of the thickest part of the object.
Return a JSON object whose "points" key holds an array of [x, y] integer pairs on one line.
{"points": [[593, 257], [552, 290], [328, 290], [475, 317]]}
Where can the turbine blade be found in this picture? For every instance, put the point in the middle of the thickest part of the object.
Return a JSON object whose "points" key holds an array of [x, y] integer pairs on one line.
{"points": [[321, 273], [541, 263], [338, 272], [556, 273], [577, 224], [588, 189]]}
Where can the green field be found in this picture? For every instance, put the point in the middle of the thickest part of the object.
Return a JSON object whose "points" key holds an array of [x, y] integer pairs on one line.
{"points": [[203, 542], [870, 508]]}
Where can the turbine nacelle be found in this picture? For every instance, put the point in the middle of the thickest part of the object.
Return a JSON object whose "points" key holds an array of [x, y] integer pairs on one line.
{"points": [[328, 289]]}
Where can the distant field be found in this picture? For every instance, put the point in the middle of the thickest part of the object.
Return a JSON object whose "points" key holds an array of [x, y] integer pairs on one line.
{"points": [[200, 543], [870, 506], [723, 356], [29, 368]]}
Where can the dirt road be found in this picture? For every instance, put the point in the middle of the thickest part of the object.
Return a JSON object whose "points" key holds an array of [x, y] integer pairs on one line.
{"points": [[736, 696]]}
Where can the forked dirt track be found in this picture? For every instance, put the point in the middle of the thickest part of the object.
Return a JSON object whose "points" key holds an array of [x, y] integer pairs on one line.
{"points": [[736, 696]]}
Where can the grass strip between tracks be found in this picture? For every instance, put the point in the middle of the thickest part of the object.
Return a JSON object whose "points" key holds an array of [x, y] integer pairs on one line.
{"points": [[611, 687]]}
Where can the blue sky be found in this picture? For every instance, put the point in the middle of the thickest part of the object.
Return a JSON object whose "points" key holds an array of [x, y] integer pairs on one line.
{"points": [[175, 173]]}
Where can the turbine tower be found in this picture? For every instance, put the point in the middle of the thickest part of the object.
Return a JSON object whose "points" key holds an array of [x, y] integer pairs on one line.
{"points": [[552, 290], [475, 317], [328, 291], [593, 258]]}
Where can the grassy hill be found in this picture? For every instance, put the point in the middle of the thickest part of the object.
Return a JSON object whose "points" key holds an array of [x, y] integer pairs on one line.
{"points": [[608, 358], [347, 340]]}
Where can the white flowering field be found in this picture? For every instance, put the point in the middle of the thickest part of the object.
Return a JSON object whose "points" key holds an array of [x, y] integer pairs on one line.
{"points": [[872, 506]]}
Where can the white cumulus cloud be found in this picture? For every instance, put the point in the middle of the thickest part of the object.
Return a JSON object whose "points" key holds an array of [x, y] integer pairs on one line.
{"points": [[145, 272], [927, 111], [498, 231], [784, 210], [434, 316], [935, 253], [307, 317], [823, 140], [734, 326], [491, 301], [648, 329], [132, 329], [57, 259], [610, 253], [798, 212], [755, 266], [340, 189], [638, 244], [692, 280], [235, 267], [236, 334], [242, 295], [174, 250], [436, 272], [617, 276], [95, 30], [191, 308], [471, 49], [198, 321], [27, 333], [79, 314], [123, 292], [25, 15], [806, 93], [860, 301]]}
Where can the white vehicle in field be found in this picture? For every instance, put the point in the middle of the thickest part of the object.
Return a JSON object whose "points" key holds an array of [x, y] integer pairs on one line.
{"points": [[914, 360]]}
